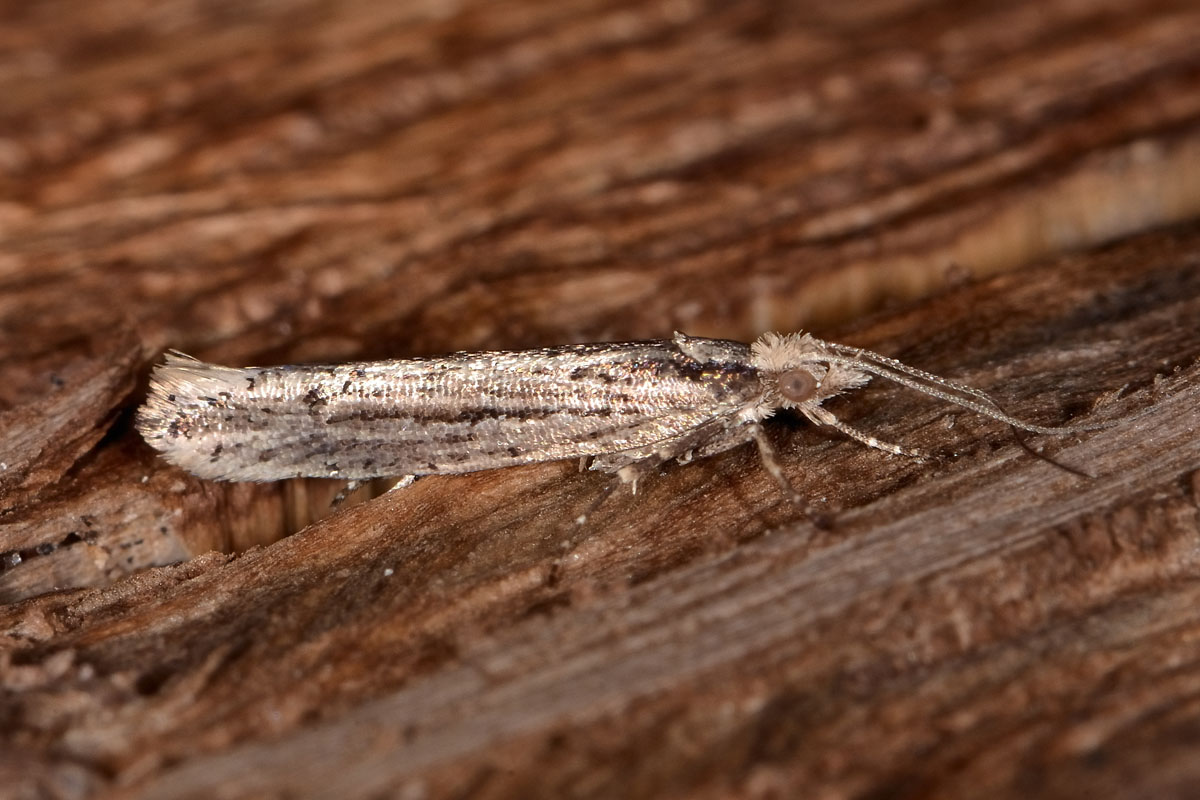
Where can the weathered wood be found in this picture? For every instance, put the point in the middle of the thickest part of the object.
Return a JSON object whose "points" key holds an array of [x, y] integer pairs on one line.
{"points": [[465, 625], [311, 183]]}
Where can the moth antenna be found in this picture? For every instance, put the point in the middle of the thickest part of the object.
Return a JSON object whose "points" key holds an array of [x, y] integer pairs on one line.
{"points": [[949, 391], [1052, 461], [864, 357], [944, 389]]}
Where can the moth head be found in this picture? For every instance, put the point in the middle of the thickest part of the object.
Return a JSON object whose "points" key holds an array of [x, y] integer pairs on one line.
{"points": [[801, 369]]}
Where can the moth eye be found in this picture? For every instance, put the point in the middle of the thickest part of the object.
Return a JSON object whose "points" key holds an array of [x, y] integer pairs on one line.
{"points": [[797, 385]]}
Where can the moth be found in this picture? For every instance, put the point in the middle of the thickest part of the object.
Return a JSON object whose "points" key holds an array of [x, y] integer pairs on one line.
{"points": [[628, 408]]}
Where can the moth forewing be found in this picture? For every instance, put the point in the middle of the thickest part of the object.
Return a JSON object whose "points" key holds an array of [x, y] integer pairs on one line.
{"points": [[460, 413]]}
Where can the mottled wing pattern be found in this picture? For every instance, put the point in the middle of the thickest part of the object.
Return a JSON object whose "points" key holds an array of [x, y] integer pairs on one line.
{"points": [[460, 413]]}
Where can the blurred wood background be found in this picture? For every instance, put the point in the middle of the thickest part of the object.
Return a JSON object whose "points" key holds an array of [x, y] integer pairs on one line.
{"points": [[1006, 193]]}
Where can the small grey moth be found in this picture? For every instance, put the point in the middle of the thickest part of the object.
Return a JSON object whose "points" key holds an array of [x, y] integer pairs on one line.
{"points": [[628, 407]]}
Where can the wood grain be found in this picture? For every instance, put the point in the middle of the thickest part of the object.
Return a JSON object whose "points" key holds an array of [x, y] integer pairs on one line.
{"points": [[1003, 193]]}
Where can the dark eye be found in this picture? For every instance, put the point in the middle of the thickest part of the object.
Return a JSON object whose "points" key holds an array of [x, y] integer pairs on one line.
{"points": [[797, 385]]}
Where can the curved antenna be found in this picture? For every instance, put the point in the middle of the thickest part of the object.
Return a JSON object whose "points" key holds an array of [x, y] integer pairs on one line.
{"points": [[864, 357], [1052, 461], [951, 392]]}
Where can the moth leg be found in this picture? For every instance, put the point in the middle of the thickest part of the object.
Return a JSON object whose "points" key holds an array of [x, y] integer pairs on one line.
{"points": [[350, 488], [755, 432], [706, 440], [605, 493], [404, 482], [355, 484], [726, 440], [613, 463], [766, 454], [630, 466], [627, 474], [770, 462], [823, 417], [630, 474]]}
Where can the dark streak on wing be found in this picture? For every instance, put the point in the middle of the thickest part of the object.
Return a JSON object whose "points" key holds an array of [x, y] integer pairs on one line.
{"points": [[460, 413]]}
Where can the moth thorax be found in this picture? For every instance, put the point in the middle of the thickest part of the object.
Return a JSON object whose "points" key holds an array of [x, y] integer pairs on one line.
{"points": [[797, 385]]}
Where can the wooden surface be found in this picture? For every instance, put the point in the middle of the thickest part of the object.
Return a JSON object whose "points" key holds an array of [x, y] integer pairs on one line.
{"points": [[1010, 191]]}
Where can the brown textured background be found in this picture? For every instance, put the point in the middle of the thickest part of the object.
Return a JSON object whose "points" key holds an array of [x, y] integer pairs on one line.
{"points": [[1005, 193]]}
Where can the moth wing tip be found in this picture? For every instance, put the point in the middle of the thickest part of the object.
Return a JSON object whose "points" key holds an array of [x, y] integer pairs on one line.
{"points": [[175, 357]]}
